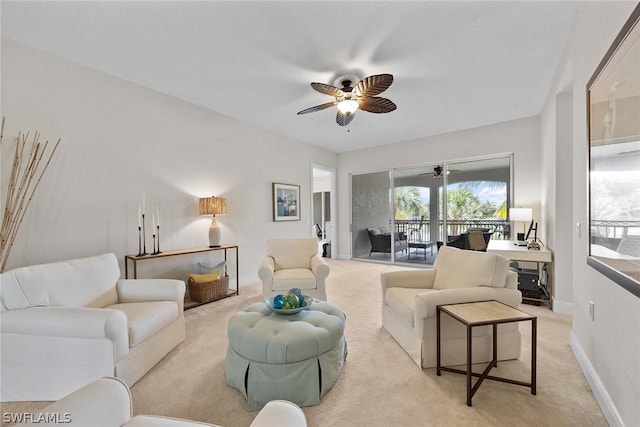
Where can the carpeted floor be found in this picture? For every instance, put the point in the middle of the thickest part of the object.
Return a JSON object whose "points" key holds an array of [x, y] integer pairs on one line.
{"points": [[379, 385]]}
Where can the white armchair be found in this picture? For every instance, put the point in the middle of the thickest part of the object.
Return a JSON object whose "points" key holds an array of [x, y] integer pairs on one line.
{"points": [[106, 402], [410, 298], [293, 263], [68, 323]]}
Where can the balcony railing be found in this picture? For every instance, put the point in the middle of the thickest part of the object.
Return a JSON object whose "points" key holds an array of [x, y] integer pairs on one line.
{"points": [[610, 233], [416, 229]]}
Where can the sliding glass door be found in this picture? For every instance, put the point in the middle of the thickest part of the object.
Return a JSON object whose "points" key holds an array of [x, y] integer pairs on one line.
{"points": [[477, 198], [417, 213], [404, 215], [371, 236]]}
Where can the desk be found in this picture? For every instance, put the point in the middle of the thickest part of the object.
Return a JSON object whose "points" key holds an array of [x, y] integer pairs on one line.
{"points": [[188, 304], [479, 314], [542, 257]]}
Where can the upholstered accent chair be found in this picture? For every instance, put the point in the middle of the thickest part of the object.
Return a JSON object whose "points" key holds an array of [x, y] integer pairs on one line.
{"points": [[380, 240], [410, 298], [293, 263], [65, 324], [107, 402]]}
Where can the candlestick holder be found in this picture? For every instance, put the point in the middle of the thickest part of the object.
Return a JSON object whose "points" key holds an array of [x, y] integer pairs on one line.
{"points": [[154, 244], [144, 239], [139, 241], [158, 235]]}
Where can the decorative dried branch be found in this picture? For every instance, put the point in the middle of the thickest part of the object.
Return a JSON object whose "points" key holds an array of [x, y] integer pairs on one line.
{"points": [[26, 174]]}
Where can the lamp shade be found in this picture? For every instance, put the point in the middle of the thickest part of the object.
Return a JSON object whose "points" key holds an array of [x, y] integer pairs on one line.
{"points": [[520, 214], [213, 206], [348, 106]]}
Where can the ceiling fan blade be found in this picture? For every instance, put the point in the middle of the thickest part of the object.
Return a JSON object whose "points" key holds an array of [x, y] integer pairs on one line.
{"points": [[376, 104], [344, 119], [373, 85], [318, 107], [327, 89]]}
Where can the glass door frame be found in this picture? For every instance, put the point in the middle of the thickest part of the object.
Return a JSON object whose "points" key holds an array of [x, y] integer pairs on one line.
{"points": [[446, 167]]}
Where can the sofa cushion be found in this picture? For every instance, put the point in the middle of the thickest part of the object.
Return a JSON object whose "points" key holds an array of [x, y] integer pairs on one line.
{"points": [[89, 282], [301, 278], [457, 268], [374, 231], [292, 253], [145, 318]]}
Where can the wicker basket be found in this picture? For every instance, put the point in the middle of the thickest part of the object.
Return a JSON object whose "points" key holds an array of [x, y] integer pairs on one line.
{"points": [[207, 291]]}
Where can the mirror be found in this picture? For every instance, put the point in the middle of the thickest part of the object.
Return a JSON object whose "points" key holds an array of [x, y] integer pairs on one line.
{"points": [[613, 95]]}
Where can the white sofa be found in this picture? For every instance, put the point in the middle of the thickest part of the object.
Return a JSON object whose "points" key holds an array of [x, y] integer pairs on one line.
{"points": [[293, 263], [68, 323], [410, 298], [106, 402]]}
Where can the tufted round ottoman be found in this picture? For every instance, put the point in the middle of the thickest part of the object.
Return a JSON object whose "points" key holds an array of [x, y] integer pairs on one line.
{"points": [[295, 357]]}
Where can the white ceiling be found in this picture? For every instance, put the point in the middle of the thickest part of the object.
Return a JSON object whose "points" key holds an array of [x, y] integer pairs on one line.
{"points": [[457, 65]]}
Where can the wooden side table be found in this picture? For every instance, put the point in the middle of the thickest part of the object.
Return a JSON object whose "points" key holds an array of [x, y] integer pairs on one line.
{"points": [[479, 314], [135, 259]]}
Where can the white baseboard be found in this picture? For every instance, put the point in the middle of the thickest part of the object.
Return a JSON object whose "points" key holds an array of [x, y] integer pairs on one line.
{"points": [[562, 307], [599, 391]]}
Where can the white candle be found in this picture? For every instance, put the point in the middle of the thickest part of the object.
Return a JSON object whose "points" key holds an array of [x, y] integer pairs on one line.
{"points": [[139, 216], [144, 205], [153, 221], [158, 215]]}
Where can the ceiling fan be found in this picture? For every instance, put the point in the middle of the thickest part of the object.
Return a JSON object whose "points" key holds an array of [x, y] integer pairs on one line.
{"points": [[437, 171], [351, 98]]}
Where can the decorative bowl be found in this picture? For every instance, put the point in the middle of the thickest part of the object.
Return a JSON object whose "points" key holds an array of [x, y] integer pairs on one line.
{"points": [[307, 302]]}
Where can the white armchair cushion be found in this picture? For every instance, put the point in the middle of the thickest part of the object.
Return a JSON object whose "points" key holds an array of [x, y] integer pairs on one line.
{"points": [[146, 318], [458, 268], [292, 253], [301, 278]]}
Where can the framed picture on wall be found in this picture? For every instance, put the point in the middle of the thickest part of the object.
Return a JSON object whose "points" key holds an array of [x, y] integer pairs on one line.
{"points": [[286, 202]]}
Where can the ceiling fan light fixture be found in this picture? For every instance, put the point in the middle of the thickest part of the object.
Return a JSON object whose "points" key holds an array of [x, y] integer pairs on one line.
{"points": [[348, 106], [349, 99]]}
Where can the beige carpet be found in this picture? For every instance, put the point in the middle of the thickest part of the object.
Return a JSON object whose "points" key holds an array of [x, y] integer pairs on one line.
{"points": [[379, 385]]}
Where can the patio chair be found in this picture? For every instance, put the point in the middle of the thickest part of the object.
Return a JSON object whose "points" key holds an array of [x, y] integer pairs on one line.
{"points": [[381, 241]]}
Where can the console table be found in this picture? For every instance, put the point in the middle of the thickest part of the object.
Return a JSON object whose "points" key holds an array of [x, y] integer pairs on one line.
{"points": [[542, 257], [135, 259]]}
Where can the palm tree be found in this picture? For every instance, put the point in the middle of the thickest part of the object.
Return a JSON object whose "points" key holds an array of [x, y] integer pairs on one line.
{"points": [[408, 203], [463, 204]]}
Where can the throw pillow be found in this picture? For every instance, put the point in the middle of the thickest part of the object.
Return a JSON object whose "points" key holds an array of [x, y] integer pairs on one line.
{"points": [[203, 278], [208, 269]]}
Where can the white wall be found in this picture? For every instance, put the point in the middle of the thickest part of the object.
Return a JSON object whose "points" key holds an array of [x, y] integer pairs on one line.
{"points": [[607, 348], [120, 140]]}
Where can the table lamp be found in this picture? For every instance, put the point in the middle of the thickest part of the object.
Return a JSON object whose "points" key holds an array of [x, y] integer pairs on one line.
{"points": [[521, 214], [213, 206]]}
